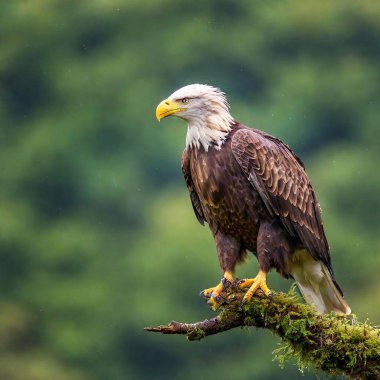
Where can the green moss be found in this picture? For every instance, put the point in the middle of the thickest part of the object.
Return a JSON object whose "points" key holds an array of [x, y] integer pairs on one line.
{"points": [[196, 334], [337, 345]]}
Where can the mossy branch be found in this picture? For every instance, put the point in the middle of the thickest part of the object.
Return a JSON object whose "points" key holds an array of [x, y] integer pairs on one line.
{"points": [[336, 345]]}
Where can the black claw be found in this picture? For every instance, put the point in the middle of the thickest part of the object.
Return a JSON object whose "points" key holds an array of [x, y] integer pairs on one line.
{"points": [[204, 296]]}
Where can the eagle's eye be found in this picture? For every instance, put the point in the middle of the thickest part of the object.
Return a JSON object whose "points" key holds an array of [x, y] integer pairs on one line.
{"points": [[185, 100]]}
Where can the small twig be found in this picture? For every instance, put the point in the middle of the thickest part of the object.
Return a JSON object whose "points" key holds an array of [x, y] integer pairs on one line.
{"points": [[198, 330]]}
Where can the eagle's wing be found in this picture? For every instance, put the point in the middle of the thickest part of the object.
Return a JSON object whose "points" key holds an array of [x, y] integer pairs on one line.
{"points": [[189, 182], [280, 178]]}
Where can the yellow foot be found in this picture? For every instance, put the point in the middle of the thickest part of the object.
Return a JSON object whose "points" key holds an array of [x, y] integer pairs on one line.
{"points": [[214, 294], [254, 284]]}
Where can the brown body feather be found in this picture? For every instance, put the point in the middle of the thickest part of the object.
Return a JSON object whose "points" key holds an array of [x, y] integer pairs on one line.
{"points": [[255, 195]]}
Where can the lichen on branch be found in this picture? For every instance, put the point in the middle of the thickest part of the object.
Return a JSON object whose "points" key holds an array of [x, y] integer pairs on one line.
{"points": [[337, 345]]}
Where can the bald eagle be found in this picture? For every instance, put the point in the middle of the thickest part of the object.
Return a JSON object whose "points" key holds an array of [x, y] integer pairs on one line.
{"points": [[254, 193]]}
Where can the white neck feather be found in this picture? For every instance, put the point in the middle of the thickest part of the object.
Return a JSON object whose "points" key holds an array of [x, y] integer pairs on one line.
{"points": [[207, 114], [211, 129]]}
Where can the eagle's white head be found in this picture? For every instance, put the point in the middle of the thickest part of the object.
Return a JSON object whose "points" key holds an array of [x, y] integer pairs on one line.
{"points": [[206, 110]]}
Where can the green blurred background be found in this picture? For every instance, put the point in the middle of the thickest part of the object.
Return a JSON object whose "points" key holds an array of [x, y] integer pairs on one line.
{"points": [[98, 237]]}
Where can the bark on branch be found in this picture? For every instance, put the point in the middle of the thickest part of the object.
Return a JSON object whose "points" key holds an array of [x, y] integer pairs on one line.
{"points": [[336, 345]]}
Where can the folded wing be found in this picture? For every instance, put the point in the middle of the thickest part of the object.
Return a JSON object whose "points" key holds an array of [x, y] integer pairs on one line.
{"points": [[280, 178]]}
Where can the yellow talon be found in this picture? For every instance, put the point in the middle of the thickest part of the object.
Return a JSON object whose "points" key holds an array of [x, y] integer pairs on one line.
{"points": [[213, 293], [259, 282], [246, 283], [216, 291], [207, 292], [213, 303]]}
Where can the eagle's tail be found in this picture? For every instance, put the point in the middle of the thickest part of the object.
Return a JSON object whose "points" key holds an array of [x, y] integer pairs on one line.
{"points": [[317, 285]]}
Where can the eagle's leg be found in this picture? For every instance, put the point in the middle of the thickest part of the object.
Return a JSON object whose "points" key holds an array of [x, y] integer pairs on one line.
{"points": [[214, 294], [229, 250], [228, 278], [273, 250]]}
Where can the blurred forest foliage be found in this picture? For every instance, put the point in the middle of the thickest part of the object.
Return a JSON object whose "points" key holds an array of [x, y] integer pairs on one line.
{"points": [[97, 234]]}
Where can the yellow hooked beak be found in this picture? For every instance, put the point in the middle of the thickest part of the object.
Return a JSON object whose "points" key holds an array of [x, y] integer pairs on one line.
{"points": [[166, 108]]}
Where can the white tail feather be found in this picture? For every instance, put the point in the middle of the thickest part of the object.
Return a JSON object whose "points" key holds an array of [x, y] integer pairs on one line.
{"points": [[316, 285]]}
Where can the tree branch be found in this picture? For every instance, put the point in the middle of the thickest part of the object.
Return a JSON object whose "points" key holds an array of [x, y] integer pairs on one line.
{"points": [[334, 344]]}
